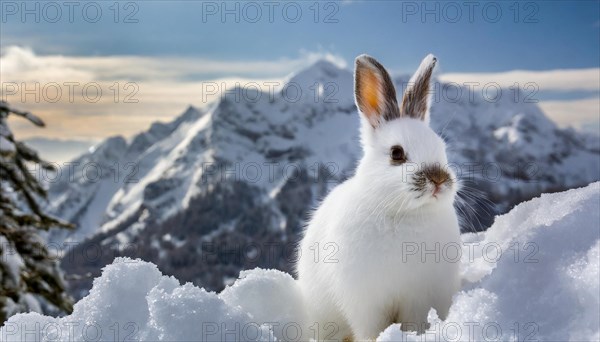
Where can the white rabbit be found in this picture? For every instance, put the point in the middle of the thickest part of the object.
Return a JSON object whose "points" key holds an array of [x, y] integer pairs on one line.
{"points": [[383, 247]]}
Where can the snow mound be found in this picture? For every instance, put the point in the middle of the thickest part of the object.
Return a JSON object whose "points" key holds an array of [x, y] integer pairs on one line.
{"points": [[132, 300], [534, 275]]}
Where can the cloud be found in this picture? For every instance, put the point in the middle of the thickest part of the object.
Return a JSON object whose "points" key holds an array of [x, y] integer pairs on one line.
{"points": [[138, 90], [578, 113], [95, 97], [23, 64], [547, 80]]}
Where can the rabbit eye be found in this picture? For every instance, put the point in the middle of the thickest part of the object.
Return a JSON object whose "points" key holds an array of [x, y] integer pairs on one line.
{"points": [[397, 155]]}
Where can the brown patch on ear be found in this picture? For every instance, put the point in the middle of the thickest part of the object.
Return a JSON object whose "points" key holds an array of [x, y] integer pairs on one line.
{"points": [[374, 91], [367, 94], [415, 102]]}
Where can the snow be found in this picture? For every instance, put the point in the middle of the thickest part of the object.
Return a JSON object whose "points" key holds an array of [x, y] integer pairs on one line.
{"points": [[543, 285], [11, 260], [6, 146], [132, 300], [269, 296]]}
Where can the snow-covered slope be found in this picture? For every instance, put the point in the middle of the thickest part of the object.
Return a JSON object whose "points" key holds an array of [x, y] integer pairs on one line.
{"points": [[242, 175], [538, 281]]}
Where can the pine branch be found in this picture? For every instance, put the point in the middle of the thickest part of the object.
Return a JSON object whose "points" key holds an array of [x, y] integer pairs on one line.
{"points": [[5, 107]]}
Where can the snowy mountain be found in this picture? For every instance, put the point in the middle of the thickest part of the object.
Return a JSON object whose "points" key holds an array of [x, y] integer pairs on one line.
{"points": [[227, 188], [539, 281]]}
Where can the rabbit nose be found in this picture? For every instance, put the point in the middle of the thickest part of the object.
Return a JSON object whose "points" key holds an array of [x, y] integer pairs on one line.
{"points": [[436, 175]]}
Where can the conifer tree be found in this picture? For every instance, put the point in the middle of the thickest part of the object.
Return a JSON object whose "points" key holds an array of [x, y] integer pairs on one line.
{"points": [[30, 279]]}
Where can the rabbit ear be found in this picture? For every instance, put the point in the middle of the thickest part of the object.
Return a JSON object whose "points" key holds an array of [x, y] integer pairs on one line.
{"points": [[415, 102], [374, 91]]}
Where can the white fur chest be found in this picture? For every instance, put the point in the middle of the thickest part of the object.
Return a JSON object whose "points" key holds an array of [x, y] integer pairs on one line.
{"points": [[415, 251], [401, 269]]}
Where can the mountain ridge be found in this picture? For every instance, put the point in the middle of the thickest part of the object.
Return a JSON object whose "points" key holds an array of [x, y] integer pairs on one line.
{"points": [[246, 171]]}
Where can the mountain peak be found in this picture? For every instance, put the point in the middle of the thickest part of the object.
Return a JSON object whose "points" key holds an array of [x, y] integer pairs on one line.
{"points": [[324, 80], [319, 70], [325, 64]]}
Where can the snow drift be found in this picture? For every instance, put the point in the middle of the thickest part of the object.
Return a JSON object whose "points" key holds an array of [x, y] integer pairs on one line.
{"points": [[534, 275], [132, 300]]}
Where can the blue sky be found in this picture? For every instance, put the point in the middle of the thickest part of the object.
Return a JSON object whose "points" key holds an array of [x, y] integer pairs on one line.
{"points": [[170, 47], [468, 38]]}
